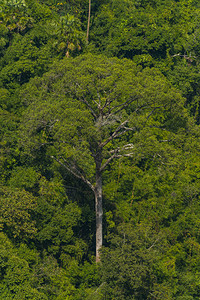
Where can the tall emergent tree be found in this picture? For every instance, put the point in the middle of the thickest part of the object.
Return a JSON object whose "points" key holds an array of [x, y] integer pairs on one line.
{"points": [[90, 110]]}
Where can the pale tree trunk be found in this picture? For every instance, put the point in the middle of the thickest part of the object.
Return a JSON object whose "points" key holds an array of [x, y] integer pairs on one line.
{"points": [[88, 25], [98, 209], [97, 189]]}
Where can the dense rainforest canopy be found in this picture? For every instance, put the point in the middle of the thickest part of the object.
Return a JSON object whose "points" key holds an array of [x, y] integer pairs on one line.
{"points": [[99, 149]]}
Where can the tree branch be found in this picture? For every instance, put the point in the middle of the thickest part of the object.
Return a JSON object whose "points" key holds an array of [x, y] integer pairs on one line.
{"points": [[107, 103], [185, 56], [116, 155], [74, 172], [114, 135], [125, 147], [107, 162], [124, 155], [154, 243]]}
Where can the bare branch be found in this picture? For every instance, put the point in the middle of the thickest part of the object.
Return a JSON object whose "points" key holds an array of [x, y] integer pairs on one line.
{"points": [[74, 172], [178, 54], [124, 155], [117, 133], [154, 243], [120, 133], [125, 147], [114, 135], [107, 162], [108, 102], [128, 146], [102, 284], [185, 56], [114, 151], [117, 155], [154, 296], [130, 129]]}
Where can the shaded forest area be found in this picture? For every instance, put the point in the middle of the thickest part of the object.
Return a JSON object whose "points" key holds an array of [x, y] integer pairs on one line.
{"points": [[99, 111]]}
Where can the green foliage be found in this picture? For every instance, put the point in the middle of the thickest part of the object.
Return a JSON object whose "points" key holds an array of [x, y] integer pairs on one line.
{"points": [[16, 208], [15, 16], [159, 198], [15, 274], [51, 280], [8, 153], [31, 37], [65, 114], [148, 32], [25, 178], [126, 265], [151, 192], [57, 222]]}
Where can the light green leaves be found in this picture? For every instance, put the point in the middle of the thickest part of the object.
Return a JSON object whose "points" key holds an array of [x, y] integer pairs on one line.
{"points": [[16, 208]]}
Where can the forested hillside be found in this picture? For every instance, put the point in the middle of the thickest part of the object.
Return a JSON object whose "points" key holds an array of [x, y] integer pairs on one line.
{"points": [[100, 149]]}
